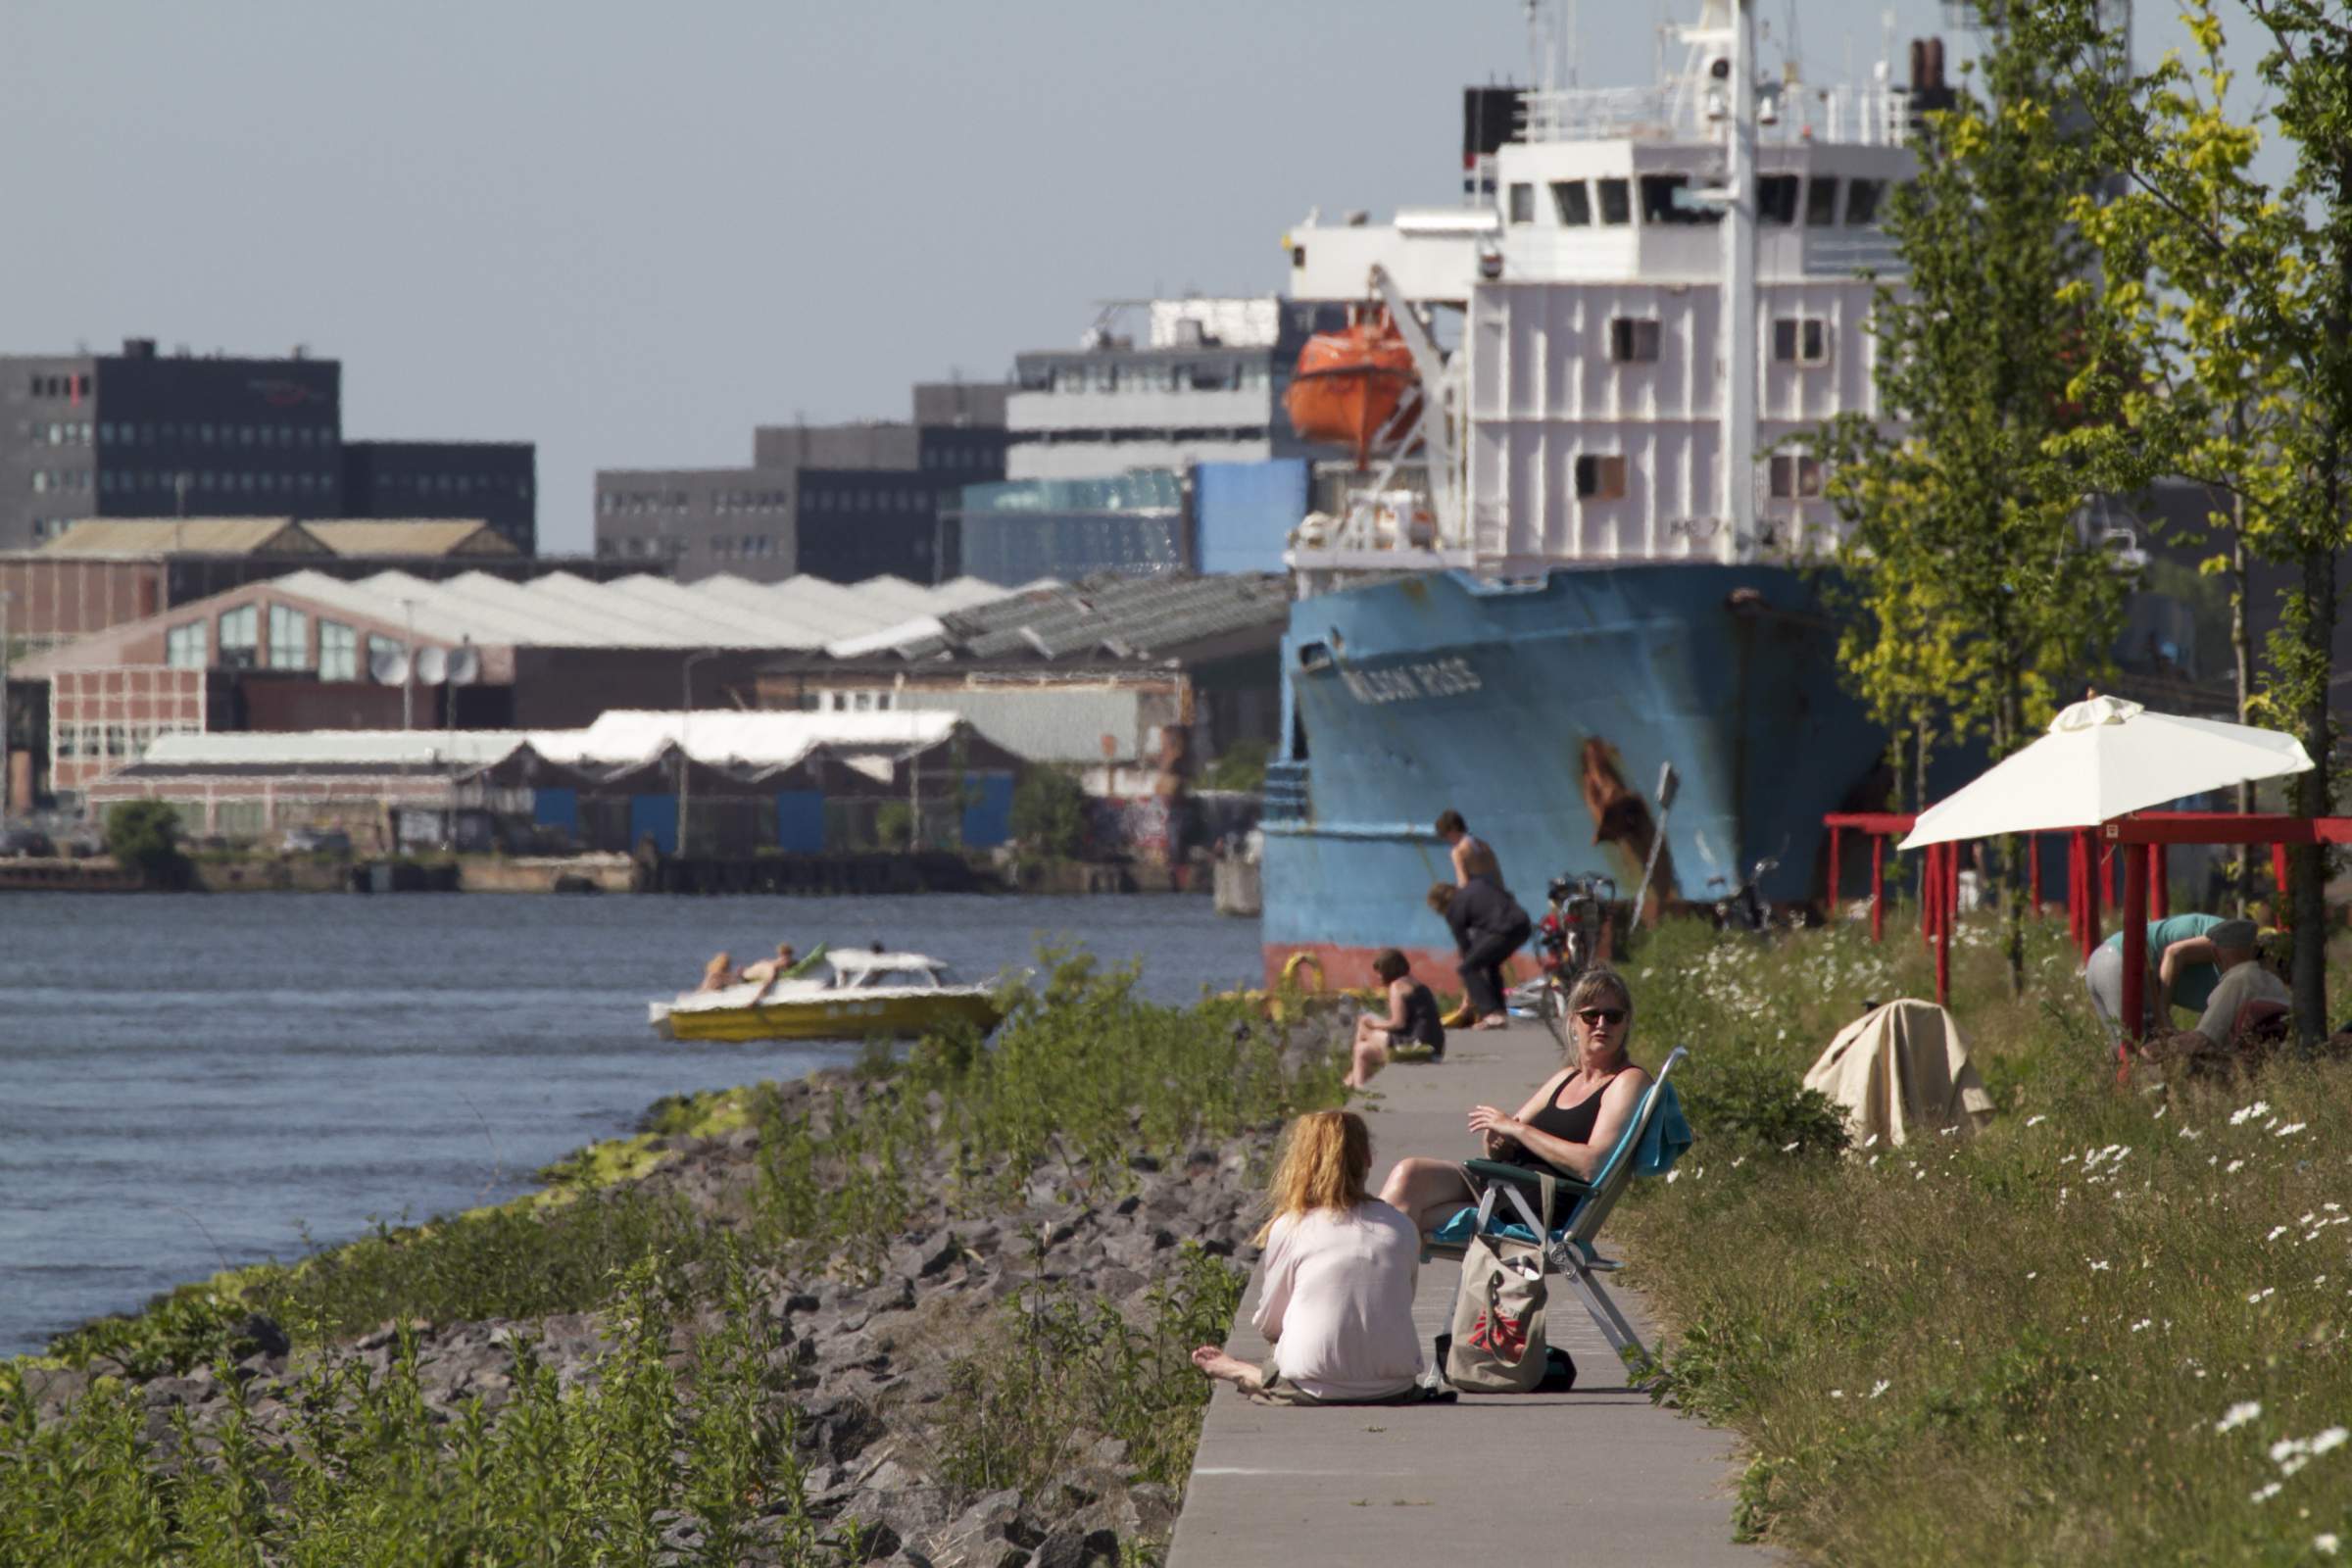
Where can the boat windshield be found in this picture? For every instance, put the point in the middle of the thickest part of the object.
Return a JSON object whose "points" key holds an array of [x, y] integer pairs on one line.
{"points": [[903, 977]]}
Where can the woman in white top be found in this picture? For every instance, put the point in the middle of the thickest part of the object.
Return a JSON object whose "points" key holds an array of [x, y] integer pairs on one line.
{"points": [[1337, 1298]]}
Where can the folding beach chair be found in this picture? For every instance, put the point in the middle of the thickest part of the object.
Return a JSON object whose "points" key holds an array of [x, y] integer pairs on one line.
{"points": [[1651, 1142]]}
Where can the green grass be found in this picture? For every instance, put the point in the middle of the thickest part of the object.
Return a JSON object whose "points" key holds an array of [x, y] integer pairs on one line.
{"points": [[2021, 1348], [1082, 1077]]}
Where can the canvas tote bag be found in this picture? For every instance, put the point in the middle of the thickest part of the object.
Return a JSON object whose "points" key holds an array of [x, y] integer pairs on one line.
{"points": [[1498, 1307]]}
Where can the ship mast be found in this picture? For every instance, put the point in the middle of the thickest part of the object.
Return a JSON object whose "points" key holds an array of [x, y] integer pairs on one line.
{"points": [[1739, 315]]}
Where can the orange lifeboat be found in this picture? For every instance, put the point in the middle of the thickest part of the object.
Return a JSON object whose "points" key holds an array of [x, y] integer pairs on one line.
{"points": [[1349, 383]]}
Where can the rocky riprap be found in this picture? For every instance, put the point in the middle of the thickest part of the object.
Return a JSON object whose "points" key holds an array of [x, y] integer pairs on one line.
{"points": [[865, 1362]]}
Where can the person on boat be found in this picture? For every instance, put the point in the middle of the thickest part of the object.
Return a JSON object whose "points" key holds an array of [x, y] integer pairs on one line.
{"points": [[1473, 856], [1488, 926], [2186, 952], [1409, 1031], [1337, 1299], [718, 973], [1568, 1125], [767, 971]]}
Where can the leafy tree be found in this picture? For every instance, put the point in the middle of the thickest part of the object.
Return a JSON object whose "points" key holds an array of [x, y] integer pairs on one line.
{"points": [[1966, 551], [1241, 765], [2228, 329], [1048, 813], [145, 836], [894, 825]]}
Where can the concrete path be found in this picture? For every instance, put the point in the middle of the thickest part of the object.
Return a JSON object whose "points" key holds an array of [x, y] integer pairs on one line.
{"points": [[1597, 1475]]}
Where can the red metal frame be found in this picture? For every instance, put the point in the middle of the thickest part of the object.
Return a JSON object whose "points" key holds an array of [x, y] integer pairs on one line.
{"points": [[2091, 873]]}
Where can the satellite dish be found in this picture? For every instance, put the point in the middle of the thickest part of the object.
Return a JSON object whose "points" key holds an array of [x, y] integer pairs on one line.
{"points": [[464, 666], [432, 665], [388, 662]]}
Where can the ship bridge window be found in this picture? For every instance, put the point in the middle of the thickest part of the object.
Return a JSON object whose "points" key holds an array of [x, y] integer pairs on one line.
{"points": [[1616, 201], [1668, 199], [1572, 203], [1633, 340], [1795, 476], [1775, 199], [1600, 478], [1821, 203], [1862, 200], [1800, 340], [1522, 202]]}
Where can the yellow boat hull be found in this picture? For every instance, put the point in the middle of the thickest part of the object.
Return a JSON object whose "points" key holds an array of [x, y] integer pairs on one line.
{"points": [[847, 1016]]}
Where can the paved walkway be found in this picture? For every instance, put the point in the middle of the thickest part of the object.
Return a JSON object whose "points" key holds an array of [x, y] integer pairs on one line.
{"points": [[1598, 1475]]}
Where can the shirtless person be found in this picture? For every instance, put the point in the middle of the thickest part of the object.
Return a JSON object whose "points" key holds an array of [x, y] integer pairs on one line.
{"points": [[768, 970], [1473, 856], [718, 973]]}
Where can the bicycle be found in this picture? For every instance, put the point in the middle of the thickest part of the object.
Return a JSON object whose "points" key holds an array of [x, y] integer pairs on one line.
{"points": [[1566, 943]]}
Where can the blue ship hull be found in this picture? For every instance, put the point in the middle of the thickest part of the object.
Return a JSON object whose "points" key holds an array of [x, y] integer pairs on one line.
{"points": [[1542, 710]]}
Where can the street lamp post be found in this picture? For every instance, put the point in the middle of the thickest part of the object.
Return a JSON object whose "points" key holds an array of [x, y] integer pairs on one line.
{"points": [[685, 721]]}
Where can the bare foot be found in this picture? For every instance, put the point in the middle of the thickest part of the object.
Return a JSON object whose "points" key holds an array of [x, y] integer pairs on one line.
{"points": [[1217, 1364], [1494, 1020]]}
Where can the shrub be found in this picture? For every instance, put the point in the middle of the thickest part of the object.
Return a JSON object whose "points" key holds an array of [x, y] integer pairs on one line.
{"points": [[1241, 765], [1048, 813], [144, 835], [1735, 1103]]}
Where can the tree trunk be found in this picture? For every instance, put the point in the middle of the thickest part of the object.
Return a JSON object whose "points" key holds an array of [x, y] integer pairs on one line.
{"points": [[2242, 650], [2307, 863]]}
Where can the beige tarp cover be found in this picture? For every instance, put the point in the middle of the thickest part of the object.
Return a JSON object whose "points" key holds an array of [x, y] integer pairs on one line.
{"points": [[1901, 1072]]}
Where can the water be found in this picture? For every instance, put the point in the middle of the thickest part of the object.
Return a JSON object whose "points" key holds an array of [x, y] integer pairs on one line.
{"points": [[197, 1082]]}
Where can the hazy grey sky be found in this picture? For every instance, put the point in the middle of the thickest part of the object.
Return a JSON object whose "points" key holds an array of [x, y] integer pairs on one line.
{"points": [[630, 232]]}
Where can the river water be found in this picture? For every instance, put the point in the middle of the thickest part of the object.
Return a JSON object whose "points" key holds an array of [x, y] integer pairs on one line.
{"points": [[192, 1082]]}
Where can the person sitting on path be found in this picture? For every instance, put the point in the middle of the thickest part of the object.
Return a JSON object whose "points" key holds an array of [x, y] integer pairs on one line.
{"points": [[2248, 980], [718, 973], [1568, 1125], [1488, 926], [1336, 1300], [1409, 1031], [2185, 958], [1473, 857]]}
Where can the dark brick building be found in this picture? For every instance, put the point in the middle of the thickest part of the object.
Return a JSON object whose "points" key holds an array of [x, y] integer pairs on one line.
{"points": [[497, 481], [842, 502]]}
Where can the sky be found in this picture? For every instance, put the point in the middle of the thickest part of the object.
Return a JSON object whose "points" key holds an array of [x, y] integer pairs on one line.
{"points": [[630, 232]]}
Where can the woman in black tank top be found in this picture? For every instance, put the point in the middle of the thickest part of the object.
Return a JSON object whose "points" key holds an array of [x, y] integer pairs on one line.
{"points": [[1567, 1127], [1409, 1030]]}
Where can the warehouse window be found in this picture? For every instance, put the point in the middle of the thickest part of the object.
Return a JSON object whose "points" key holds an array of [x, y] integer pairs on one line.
{"points": [[1571, 203], [1616, 201], [1775, 199], [1800, 340], [1821, 203], [184, 646], [240, 637], [289, 638], [338, 651]]}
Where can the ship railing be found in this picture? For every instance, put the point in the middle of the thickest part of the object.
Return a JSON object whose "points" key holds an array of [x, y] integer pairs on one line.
{"points": [[1875, 116], [1286, 792]]}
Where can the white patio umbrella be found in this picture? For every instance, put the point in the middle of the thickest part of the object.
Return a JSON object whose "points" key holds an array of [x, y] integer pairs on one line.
{"points": [[2101, 759]]}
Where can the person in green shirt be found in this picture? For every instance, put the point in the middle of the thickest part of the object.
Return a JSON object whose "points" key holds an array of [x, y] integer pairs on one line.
{"points": [[2187, 955]]}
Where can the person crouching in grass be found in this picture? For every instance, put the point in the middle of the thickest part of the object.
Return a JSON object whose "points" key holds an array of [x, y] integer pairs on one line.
{"points": [[1410, 1029], [1336, 1300]]}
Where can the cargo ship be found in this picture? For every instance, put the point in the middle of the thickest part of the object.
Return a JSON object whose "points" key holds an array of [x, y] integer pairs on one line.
{"points": [[1575, 548]]}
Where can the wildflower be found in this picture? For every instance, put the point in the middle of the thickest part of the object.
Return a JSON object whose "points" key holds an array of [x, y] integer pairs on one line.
{"points": [[2191, 1134], [2264, 1494], [2332, 1438], [2237, 1415], [2160, 1110], [2267, 1289], [1790, 1148], [2324, 1545], [2233, 1167], [2332, 1207], [2033, 1274], [1836, 1393], [1670, 1176], [2098, 1266], [2239, 1117], [2289, 1129], [1871, 1141], [2277, 1231], [2141, 1324], [2287, 1449], [1880, 1387], [2036, 1121]]}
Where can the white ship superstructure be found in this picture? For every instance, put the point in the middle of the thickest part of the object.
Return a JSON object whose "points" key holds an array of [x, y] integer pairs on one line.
{"points": [[1655, 286]]}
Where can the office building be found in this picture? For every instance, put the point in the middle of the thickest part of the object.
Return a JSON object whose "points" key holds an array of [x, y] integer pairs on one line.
{"points": [[145, 434], [840, 502]]}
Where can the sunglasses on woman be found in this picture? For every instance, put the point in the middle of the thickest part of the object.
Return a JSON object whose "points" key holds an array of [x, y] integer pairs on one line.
{"points": [[1594, 1018]]}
